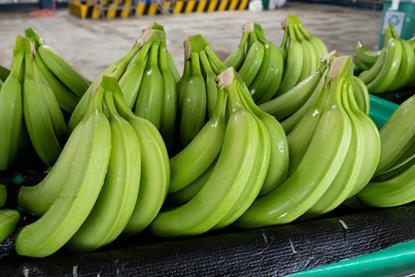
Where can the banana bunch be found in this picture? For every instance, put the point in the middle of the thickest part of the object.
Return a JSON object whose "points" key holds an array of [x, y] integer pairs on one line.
{"points": [[259, 63], [337, 154], [64, 81], [215, 189], [302, 53], [8, 218], [147, 76], [197, 88], [111, 177], [394, 67], [394, 180]]}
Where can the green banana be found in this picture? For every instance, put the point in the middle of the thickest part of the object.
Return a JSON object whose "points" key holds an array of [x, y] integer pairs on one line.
{"points": [[37, 200], [317, 169], [285, 105], [172, 67], [4, 73], [69, 76], [131, 79], [361, 95], [310, 57], [372, 146], [185, 195], [67, 101], [38, 116], [279, 160], [389, 71], [258, 173], [226, 182], [236, 58], [403, 164], [293, 63], [8, 222], [118, 195], [210, 80], [155, 169], [190, 163], [364, 55], [289, 123], [11, 114], [370, 74], [397, 135], [389, 193], [79, 192], [169, 111], [348, 175], [252, 63], [3, 195], [149, 102], [193, 111]]}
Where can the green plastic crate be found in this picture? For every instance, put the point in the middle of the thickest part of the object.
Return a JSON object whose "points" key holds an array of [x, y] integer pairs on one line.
{"points": [[402, 18], [381, 110]]}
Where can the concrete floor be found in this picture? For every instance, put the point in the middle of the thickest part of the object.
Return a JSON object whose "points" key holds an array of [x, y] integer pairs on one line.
{"points": [[93, 45]]}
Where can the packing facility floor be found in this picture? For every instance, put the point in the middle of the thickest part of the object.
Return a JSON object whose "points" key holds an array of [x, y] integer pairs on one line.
{"points": [[93, 45]]}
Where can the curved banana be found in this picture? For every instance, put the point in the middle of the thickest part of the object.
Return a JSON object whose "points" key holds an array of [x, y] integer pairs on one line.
{"points": [[131, 79], [361, 95], [155, 169], [289, 123], [370, 74], [38, 117], [211, 85], [118, 196], [317, 169], [226, 182], [258, 173], [149, 102], [193, 111], [169, 111], [390, 68], [37, 200], [252, 63], [286, 104], [79, 192], [397, 135], [348, 175], [11, 114], [190, 163], [67, 101], [389, 193], [293, 63], [310, 57], [8, 222], [236, 58], [320, 48], [279, 160], [364, 55]]}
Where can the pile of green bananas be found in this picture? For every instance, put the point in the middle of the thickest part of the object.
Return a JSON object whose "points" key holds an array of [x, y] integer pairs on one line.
{"points": [[111, 177], [259, 63], [147, 76], [333, 155], [197, 88], [394, 181], [8, 218], [390, 69], [238, 159]]}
